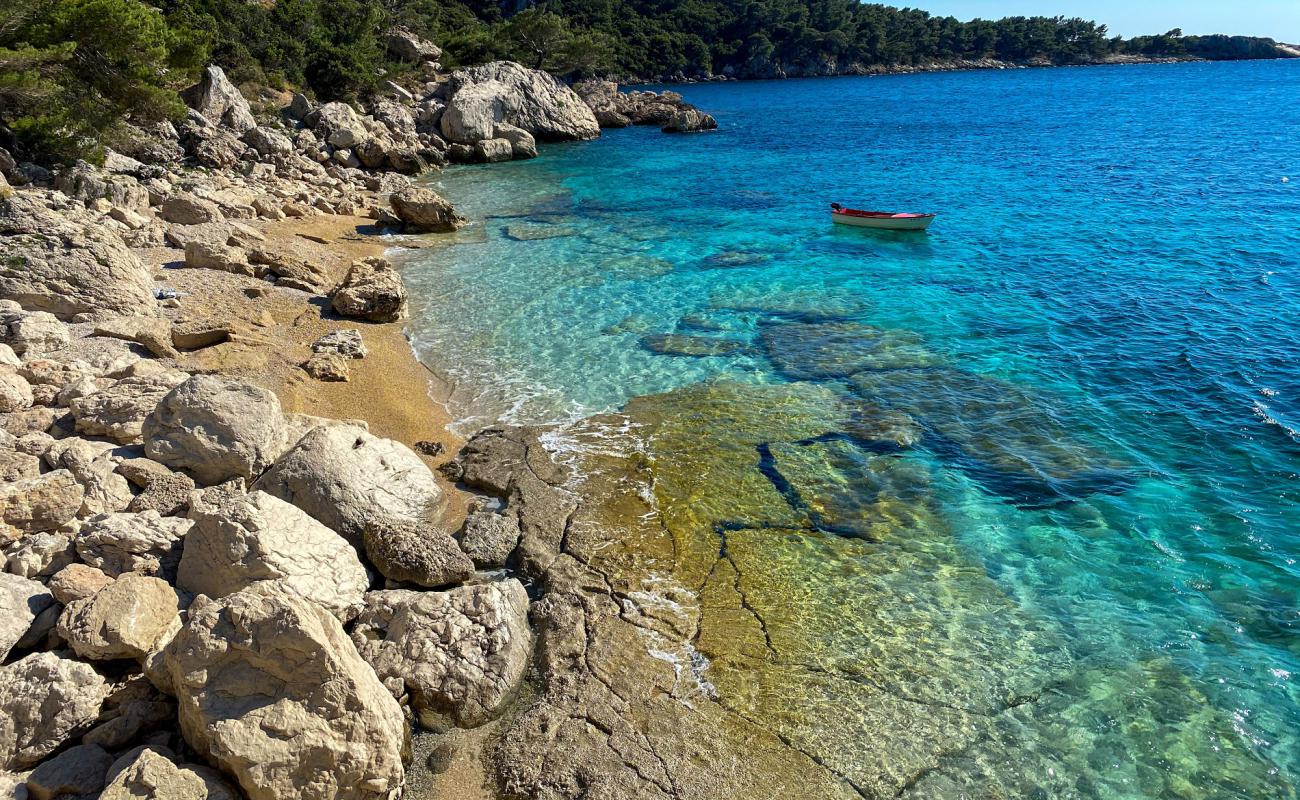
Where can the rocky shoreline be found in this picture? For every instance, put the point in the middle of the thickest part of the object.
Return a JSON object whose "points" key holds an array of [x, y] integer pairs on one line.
{"points": [[242, 555]]}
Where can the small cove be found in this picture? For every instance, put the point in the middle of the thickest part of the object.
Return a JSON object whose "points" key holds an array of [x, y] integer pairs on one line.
{"points": [[1011, 507]]}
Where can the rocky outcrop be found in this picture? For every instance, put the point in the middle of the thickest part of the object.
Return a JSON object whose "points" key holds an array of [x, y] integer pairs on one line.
{"points": [[329, 730], [218, 101], [503, 91], [424, 211], [459, 654], [216, 428], [240, 541], [88, 183], [667, 110], [372, 290], [67, 266], [424, 555], [45, 699], [93, 466], [489, 538], [33, 333], [349, 479], [129, 618]]}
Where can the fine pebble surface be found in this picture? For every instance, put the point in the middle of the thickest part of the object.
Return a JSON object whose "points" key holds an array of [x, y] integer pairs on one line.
{"points": [[1010, 508]]}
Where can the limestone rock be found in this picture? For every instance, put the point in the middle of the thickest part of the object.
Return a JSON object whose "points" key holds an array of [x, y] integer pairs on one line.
{"points": [[221, 257], [17, 466], [217, 99], [88, 183], [67, 265], [489, 539], [129, 618], [346, 343], [371, 290], [522, 143], [690, 120], [424, 211], [147, 774], [163, 490], [339, 125], [327, 367], [268, 141], [144, 543], [257, 538], [135, 707], [328, 731], [187, 209], [31, 334], [41, 504], [422, 554], [493, 150], [503, 91], [216, 428], [77, 771], [154, 333], [118, 412], [21, 600], [461, 654], [348, 479], [404, 45], [93, 465], [39, 555], [15, 392], [45, 699], [77, 582]]}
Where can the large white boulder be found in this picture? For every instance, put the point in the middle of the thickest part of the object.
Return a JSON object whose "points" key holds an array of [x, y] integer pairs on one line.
{"points": [[67, 265], [347, 478], [460, 654], [216, 428], [240, 541], [45, 700], [526, 98], [271, 690]]}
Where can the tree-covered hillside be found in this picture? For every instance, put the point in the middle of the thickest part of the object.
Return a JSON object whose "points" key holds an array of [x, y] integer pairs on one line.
{"points": [[69, 69]]}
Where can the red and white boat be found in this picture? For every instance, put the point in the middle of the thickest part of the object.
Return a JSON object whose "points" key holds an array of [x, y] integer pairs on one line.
{"points": [[880, 220]]}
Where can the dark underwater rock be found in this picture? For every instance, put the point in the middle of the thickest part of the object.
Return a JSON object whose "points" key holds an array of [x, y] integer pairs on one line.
{"points": [[822, 351], [678, 344], [1012, 441]]}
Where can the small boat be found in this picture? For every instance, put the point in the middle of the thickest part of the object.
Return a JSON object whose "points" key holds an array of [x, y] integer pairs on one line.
{"points": [[880, 220]]}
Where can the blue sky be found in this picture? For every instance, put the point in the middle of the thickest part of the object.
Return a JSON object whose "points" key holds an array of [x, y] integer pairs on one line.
{"points": [[1279, 19]]}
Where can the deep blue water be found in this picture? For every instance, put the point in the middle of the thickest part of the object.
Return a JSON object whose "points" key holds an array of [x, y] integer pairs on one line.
{"points": [[1099, 338]]}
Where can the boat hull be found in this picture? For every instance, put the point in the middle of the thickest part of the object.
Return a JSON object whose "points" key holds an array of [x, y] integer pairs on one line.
{"points": [[918, 223]]}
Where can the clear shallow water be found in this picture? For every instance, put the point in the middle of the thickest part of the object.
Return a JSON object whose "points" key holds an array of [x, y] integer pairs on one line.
{"points": [[1040, 465]]}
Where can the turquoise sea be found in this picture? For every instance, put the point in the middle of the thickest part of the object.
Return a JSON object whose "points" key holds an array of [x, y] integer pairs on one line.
{"points": [[1073, 405]]}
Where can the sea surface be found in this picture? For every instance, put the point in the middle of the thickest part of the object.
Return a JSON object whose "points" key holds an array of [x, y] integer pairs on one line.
{"points": [[1017, 500]]}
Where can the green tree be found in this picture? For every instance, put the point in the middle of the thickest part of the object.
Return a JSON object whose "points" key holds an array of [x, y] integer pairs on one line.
{"points": [[71, 70], [536, 36]]}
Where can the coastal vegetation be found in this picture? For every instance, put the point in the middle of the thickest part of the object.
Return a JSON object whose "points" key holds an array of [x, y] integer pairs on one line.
{"points": [[69, 70]]}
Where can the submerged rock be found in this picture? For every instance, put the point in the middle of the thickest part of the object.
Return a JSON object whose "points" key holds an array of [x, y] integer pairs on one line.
{"points": [[461, 654], [822, 351], [680, 344], [1014, 442]]}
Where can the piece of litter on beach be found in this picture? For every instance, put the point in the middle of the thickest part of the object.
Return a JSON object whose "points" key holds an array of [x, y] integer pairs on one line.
{"points": [[163, 293]]}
